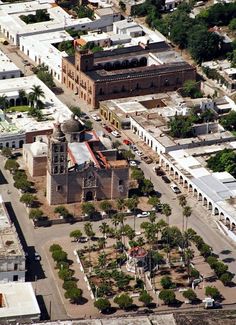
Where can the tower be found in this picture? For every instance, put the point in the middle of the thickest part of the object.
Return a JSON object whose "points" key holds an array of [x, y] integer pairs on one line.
{"points": [[84, 60], [57, 167]]}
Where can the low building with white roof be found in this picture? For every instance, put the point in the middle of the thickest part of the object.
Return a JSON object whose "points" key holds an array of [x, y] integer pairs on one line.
{"points": [[8, 69], [17, 128], [18, 303], [12, 255]]}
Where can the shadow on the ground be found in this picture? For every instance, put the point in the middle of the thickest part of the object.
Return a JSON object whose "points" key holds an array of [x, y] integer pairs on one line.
{"points": [[43, 309], [2, 179], [34, 268], [82, 301], [231, 284], [228, 260], [110, 311], [226, 252]]}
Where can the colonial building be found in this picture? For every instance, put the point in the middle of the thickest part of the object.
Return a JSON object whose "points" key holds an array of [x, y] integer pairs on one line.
{"points": [[81, 168], [124, 72]]}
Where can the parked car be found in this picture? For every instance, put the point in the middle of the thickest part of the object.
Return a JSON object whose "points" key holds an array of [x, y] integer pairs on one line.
{"points": [[147, 160], [127, 142], [165, 179], [134, 148], [108, 129], [175, 188], [96, 117], [133, 163], [82, 240], [37, 257], [144, 214], [159, 171], [139, 153], [115, 134]]}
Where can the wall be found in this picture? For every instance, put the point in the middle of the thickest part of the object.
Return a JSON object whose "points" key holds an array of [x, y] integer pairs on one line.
{"points": [[10, 74]]}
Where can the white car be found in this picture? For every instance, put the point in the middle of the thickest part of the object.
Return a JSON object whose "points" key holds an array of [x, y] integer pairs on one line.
{"points": [[175, 188], [132, 163], [115, 134], [37, 257], [96, 117], [144, 214], [139, 153]]}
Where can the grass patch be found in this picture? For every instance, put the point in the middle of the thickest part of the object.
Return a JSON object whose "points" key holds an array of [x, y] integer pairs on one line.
{"points": [[21, 109]]}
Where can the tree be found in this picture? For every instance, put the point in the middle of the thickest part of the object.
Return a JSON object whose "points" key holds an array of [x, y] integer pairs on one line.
{"points": [[102, 260], [76, 234], [105, 206], [154, 201], [182, 200], [59, 256], [62, 211], [102, 304], [229, 121], [232, 24], [46, 78], [132, 203], [166, 282], [124, 301], [76, 111], [69, 284], [191, 89], [120, 204], [116, 144], [65, 274], [205, 250], [146, 186], [35, 94], [35, 214], [88, 208], [88, 229], [104, 228], [122, 5], [137, 174], [224, 160], [166, 209], [3, 102], [190, 295], [168, 296], [145, 298], [187, 211], [180, 127], [74, 294], [128, 154], [22, 95], [55, 247], [212, 292], [226, 278], [28, 199], [11, 165], [6, 152], [220, 268], [128, 231]]}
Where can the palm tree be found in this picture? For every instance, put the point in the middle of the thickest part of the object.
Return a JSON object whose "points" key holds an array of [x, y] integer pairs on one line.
{"points": [[35, 94], [120, 204], [187, 211], [166, 209], [104, 228], [3, 102], [88, 229], [21, 95], [182, 200]]}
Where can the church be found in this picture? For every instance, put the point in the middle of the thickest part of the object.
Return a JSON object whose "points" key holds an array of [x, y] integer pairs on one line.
{"points": [[79, 165]]}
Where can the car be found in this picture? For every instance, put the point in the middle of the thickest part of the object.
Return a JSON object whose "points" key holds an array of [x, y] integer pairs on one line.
{"points": [[158, 171], [133, 163], [127, 142], [175, 188], [144, 214], [165, 179], [133, 147], [147, 160], [96, 117], [37, 257], [108, 129], [82, 240], [115, 134], [139, 153]]}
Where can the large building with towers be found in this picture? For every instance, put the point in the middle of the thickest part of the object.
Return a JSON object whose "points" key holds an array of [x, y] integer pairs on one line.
{"points": [[80, 167], [124, 72]]}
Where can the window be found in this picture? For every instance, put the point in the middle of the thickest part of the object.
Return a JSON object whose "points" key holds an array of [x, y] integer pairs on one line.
{"points": [[59, 188], [62, 169], [15, 277], [62, 148], [55, 159], [121, 182], [55, 170], [15, 267]]}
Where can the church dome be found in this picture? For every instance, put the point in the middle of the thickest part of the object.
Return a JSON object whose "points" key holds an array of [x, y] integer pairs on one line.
{"points": [[39, 148], [72, 126]]}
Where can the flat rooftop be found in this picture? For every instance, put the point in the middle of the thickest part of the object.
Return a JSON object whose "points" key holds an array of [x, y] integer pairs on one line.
{"points": [[6, 64], [19, 300], [54, 109], [9, 240], [81, 153]]}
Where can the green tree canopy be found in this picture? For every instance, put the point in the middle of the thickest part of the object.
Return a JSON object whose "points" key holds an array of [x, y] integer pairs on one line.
{"points": [[6, 152], [28, 199], [124, 301], [224, 160], [212, 292], [88, 208], [76, 234], [35, 214], [11, 165], [74, 294], [190, 295], [102, 304], [168, 296], [145, 298]]}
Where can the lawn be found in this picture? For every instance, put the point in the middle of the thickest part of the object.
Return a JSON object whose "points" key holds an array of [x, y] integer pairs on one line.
{"points": [[21, 109]]}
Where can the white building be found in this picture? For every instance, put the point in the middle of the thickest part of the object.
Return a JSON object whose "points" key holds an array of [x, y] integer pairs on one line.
{"points": [[7, 68], [18, 303], [12, 256], [19, 128]]}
